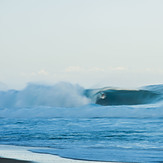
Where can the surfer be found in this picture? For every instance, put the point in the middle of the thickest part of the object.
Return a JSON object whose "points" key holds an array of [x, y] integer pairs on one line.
{"points": [[102, 96]]}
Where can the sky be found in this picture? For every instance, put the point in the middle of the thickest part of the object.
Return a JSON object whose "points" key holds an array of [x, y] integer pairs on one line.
{"points": [[90, 42]]}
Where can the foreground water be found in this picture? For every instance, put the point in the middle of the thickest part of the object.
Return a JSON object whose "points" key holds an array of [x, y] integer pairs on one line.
{"points": [[123, 133], [103, 139]]}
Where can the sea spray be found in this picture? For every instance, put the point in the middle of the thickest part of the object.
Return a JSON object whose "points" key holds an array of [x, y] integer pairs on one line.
{"points": [[59, 95]]}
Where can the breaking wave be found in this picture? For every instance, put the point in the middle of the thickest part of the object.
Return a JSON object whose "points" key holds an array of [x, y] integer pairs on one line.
{"points": [[68, 100], [125, 97], [59, 95]]}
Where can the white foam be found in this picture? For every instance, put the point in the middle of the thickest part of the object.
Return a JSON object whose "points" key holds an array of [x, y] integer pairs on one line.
{"points": [[23, 153], [59, 95]]}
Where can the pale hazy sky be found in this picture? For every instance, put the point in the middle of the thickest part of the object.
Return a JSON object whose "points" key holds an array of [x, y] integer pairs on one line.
{"points": [[90, 42]]}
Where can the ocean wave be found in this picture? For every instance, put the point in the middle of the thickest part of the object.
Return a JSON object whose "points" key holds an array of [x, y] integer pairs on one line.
{"points": [[126, 97], [68, 95], [68, 100]]}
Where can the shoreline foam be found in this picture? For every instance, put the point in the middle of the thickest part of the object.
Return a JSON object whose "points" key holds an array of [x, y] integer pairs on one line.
{"points": [[13, 153]]}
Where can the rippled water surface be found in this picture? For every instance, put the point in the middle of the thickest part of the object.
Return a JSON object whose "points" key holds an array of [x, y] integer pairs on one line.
{"points": [[104, 139]]}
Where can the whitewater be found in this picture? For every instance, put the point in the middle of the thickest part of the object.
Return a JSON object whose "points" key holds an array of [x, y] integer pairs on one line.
{"points": [[102, 124]]}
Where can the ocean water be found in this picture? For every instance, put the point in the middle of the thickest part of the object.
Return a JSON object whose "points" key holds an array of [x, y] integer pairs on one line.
{"points": [[104, 124]]}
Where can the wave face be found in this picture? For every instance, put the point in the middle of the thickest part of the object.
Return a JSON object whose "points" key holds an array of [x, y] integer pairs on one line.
{"points": [[126, 97], [110, 96]]}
